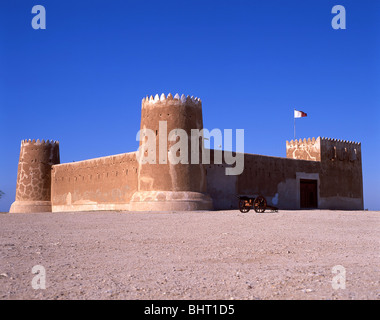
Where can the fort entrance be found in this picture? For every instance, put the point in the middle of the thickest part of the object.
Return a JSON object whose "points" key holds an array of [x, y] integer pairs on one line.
{"points": [[308, 194]]}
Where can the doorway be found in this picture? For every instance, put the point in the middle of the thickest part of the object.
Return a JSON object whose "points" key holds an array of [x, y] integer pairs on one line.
{"points": [[308, 194]]}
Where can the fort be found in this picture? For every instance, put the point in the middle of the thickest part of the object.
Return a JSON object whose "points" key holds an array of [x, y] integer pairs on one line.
{"points": [[319, 173]]}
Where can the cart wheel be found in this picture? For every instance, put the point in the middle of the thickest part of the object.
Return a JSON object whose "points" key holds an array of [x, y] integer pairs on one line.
{"points": [[260, 204], [243, 207]]}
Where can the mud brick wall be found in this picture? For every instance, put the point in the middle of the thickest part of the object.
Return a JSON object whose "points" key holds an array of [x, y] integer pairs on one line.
{"points": [[105, 183]]}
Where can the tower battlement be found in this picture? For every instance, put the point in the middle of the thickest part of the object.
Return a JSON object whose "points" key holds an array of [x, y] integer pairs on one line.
{"points": [[39, 142], [308, 141], [354, 143], [170, 100]]}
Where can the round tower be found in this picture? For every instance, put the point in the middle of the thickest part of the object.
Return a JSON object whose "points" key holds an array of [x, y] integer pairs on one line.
{"points": [[33, 190], [169, 175]]}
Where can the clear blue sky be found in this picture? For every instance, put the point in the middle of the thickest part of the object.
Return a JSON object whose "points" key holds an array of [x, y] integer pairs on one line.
{"points": [[82, 79]]}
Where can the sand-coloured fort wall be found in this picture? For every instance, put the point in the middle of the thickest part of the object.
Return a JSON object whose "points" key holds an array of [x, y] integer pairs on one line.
{"points": [[342, 183], [105, 183], [334, 164], [277, 179]]}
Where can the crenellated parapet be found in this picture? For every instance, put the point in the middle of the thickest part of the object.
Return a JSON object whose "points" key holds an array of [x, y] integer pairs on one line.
{"points": [[341, 141], [167, 113], [299, 142], [170, 100], [39, 142]]}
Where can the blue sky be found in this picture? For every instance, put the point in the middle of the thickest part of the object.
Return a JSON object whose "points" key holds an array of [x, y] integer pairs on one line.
{"points": [[82, 79]]}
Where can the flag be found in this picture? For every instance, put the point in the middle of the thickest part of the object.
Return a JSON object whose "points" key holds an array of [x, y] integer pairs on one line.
{"points": [[299, 114]]}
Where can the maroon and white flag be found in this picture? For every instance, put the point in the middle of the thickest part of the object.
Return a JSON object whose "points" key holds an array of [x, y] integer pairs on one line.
{"points": [[299, 114]]}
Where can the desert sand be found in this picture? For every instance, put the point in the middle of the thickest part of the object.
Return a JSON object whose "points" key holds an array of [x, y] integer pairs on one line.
{"points": [[191, 255]]}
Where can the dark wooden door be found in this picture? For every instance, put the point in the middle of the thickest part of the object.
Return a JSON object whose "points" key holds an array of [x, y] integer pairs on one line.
{"points": [[308, 194]]}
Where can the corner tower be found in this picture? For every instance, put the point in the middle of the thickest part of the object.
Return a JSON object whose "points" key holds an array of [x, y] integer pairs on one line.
{"points": [[340, 176], [162, 184], [33, 190]]}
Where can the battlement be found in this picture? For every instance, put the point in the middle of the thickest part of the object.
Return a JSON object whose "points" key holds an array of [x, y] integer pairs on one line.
{"points": [[39, 151], [169, 99], [39, 142], [341, 141], [312, 141], [308, 142]]}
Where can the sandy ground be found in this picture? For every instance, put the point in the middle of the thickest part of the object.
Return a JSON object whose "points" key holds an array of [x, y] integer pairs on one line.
{"points": [[191, 255]]}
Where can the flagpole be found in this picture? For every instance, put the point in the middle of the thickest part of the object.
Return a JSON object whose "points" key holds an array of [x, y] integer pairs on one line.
{"points": [[294, 125]]}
